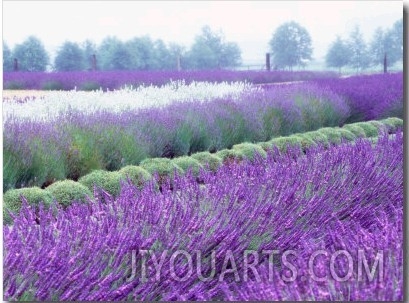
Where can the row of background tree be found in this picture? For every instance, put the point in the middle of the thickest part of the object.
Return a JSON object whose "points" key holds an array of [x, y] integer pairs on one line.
{"points": [[291, 46]]}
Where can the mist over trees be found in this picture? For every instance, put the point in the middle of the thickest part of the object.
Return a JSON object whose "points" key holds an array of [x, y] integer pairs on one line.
{"points": [[70, 57], [355, 53], [338, 54], [31, 55], [291, 45], [7, 58]]}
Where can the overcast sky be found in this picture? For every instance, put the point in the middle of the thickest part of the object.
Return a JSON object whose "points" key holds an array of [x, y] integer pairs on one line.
{"points": [[249, 23]]}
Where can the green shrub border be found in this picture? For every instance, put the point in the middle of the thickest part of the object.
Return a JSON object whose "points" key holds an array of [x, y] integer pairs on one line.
{"points": [[245, 151]]}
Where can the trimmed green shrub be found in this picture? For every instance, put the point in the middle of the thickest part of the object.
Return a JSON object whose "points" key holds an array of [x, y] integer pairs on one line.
{"points": [[188, 163], [306, 142], [379, 125], [12, 200], [369, 129], [346, 135], [12, 85], [250, 150], [52, 85], [90, 86], [108, 181], [265, 145], [316, 137], [392, 124], [68, 191], [162, 166], [230, 155], [356, 130], [136, 174], [332, 134], [208, 160], [283, 143]]}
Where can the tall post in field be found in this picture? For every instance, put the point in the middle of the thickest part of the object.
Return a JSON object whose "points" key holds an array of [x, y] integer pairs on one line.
{"points": [[268, 66], [15, 66], [385, 64], [94, 62]]}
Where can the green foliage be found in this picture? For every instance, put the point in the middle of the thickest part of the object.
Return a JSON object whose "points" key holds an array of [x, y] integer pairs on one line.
{"points": [[13, 168], [305, 141], [208, 160], [250, 150], [45, 165], [211, 51], [83, 155], [52, 85], [369, 129], [392, 124], [272, 122], [31, 55], [180, 143], [283, 143], [346, 135], [267, 145], [68, 191], [379, 125], [316, 137], [338, 54], [356, 130], [113, 55], [108, 181], [69, 57], [89, 49], [337, 135], [230, 155], [188, 163], [12, 200], [291, 45], [14, 85], [358, 50], [332, 134], [117, 147], [8, 60], [89, 86], [162, 166], [136, 174]]}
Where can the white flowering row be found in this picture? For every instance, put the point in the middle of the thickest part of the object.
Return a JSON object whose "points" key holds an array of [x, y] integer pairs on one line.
{"points": [[52, 103]]}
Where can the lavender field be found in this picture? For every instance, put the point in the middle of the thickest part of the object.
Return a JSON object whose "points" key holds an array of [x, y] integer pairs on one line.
{"points": [[206, 187]]}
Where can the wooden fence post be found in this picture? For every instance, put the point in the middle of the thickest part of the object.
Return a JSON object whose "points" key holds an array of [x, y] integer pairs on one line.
{"points": [[385, 64], [268, 66], [15, 66], [94, 62]]}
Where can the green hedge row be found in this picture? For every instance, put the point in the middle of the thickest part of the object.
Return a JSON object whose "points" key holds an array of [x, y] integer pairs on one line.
{"points": [[67, 191]]}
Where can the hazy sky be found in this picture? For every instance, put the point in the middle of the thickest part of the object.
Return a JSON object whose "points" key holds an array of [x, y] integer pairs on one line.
{"points": [[249, 23]]}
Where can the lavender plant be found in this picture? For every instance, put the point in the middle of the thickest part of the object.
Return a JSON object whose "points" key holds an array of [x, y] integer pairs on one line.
{"points": [[347, 197], [109, 80]]}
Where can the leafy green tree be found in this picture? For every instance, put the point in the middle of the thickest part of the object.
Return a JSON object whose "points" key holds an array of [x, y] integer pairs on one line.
{"points": [[70, 57], [177, 55], [31, 55], [396, 36], [359, 54], [7, 58], [113, 55], [211, 51], [163, 56], [142, 53], [89, 49], [338, 54], [291, 45]]}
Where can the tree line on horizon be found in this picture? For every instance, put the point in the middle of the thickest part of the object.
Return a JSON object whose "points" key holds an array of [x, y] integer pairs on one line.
{"points": [[290, 46]]}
